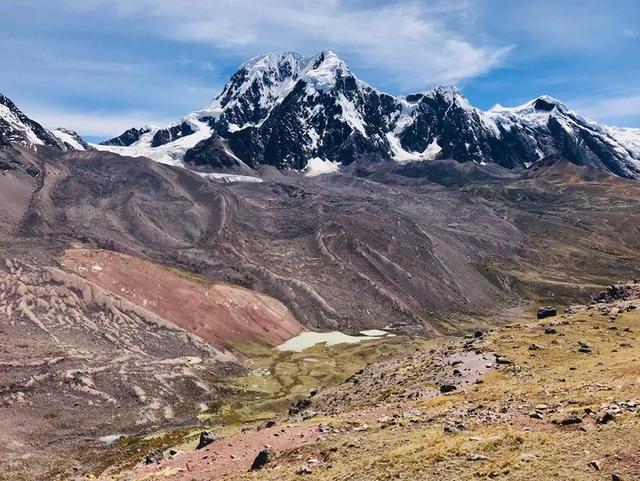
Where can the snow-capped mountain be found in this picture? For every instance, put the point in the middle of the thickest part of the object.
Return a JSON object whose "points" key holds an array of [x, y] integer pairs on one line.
{"points": [[296, 112], [546, 127], [17, 128], [70, 139]]}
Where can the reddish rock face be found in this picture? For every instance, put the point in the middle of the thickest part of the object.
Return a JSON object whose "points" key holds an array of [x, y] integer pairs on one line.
{"points": [[222, 314]]}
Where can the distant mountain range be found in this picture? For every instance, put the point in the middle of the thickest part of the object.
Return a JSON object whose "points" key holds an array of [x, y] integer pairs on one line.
{"points": [[313, 114]]}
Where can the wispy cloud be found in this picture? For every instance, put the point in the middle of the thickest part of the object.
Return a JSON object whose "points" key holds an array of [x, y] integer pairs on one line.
{"points": [[620, 109], [93, 123], [127, 62], [414, 44]]}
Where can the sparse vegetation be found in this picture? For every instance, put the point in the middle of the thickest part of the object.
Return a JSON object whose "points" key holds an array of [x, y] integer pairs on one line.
{"points": [[501, 438]]}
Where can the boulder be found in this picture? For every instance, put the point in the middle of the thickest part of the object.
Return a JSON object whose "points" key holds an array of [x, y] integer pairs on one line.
{"points": [[263, 458], [445, 388], [605, 417], [206, 438], [569, 420], [547, 312], [299, 405], [595, 464], [153, 457]]}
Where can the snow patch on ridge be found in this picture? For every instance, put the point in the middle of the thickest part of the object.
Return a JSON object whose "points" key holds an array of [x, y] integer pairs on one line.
{"points": [[350, 115], [317, 166], [66, 137], [171, 153], [401, 155], [229, 178]]}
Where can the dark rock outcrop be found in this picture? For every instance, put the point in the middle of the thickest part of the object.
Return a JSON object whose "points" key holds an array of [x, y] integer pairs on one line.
{"points": [[264, 457]]}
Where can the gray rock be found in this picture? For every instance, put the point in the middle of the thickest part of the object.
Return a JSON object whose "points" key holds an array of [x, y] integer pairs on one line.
{"points": [[206, 438], [445, 388], [547, 312], [263, 458], [153, 457], [595, 464], [605, 417]]}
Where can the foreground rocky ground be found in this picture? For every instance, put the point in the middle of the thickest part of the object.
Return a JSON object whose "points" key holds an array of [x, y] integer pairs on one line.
{"points": [[101, 346], [554, 399]]}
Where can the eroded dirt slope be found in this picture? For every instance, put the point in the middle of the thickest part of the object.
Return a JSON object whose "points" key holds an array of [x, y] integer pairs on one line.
{"points": [[77, 363], [219, 313], [104, 344], [340, 253], [429, 248]]}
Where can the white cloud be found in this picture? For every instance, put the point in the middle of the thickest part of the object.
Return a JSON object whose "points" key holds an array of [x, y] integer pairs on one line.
{"points": [[413, 44], [92, 124], [612, 109]]}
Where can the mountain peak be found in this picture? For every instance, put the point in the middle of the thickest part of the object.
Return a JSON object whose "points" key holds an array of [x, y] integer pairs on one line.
{"points": [[324, 70], [271, 60], [70, 139], [451, 95], [543, 103], [258, 84], [546, 103], [17, 128], [285, 109], [6, 101], [450, 90], [328, 55]]}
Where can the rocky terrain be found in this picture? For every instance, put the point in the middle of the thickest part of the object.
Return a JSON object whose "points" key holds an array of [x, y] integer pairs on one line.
{"points": [[551, 399], [399, 246], [140, 302], [78, 362]]}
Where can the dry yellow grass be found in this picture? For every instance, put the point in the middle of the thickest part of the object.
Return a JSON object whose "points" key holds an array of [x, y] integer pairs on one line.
{"points": [[500, 439]]}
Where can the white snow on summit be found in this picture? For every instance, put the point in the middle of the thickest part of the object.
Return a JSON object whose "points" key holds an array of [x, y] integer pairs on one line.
{"points": [[321, 72], [274, 75], [318, 166], [171, 153], [15, 123], [68, 138], [334, 105]]}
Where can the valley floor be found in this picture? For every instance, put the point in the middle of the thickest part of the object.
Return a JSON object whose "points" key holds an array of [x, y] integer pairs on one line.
{"points": [[556, 399]]}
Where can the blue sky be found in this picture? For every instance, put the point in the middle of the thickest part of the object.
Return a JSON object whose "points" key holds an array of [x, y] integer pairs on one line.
{"points": [[101, 66]]}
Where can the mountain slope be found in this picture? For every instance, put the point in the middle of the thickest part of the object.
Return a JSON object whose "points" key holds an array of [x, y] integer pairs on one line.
{"points": [[551, 128], [424, 247], [546, 400], [17, 128], [286, 110], [70, 139]]}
